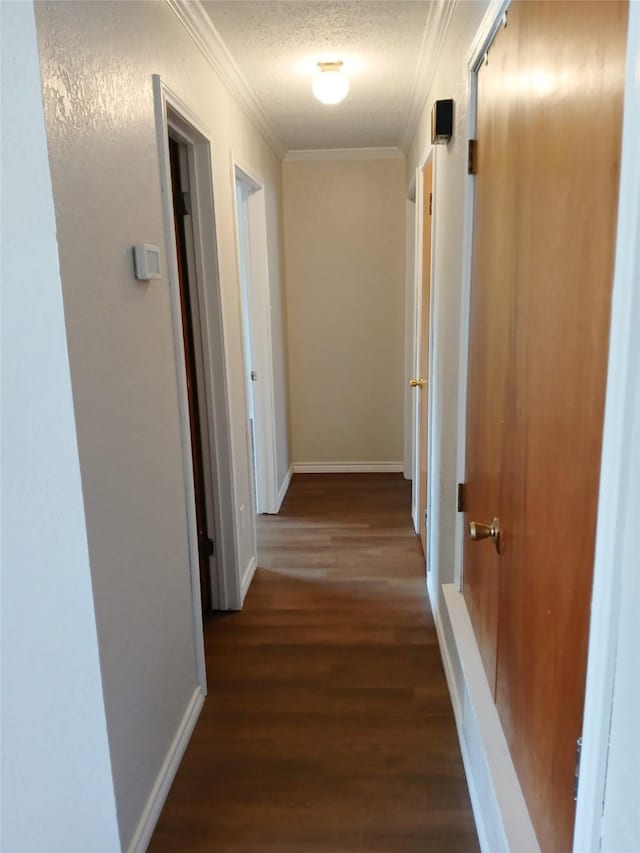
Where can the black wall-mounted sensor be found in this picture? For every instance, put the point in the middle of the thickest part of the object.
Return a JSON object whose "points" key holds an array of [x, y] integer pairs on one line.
{"points": [[441, 122]]}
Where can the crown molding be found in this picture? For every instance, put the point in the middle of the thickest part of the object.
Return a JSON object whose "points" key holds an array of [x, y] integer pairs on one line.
{"points": [[435, 32], [310, 154], [199, 26]]}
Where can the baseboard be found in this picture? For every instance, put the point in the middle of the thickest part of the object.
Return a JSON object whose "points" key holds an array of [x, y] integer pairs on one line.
{"points": [[284, 487], [499, 808], [347, 467], [247, 577], [164, 780], [457, 706]]}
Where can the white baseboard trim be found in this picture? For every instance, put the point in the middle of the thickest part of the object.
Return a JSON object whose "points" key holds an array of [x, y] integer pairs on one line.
{"points": [[458, 716], [499, 808], [151, 812], [347, 467], [284, 487], [247, 577]]}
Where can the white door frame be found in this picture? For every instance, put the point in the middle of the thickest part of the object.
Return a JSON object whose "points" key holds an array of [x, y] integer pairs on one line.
{"points": [[259, 322], [172, 113], [618, 492], [429, 154], [490, 25]]}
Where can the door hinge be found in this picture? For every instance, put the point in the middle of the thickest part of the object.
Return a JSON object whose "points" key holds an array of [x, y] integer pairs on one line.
{"points": [[461, 497], [472, 163], [430, 204], [207, 545], [254, 375], [184, 204], [577, 775]]}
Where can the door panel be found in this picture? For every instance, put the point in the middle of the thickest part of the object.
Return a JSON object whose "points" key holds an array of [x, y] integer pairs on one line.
{"points": [[425, 323], [570, 78], [491, 380]]}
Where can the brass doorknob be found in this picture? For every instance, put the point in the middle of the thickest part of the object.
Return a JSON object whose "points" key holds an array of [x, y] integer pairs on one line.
{"points": [[417, 383], [479, 531]]}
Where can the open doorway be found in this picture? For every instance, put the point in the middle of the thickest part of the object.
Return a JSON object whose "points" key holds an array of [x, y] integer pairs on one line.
{"points": [[253, 265], [186, 181], [201, 461], [421, 382], [421, 343], [409, 339]]}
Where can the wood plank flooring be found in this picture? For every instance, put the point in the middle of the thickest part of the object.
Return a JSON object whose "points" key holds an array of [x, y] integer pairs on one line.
{"points": [[328, 725]]}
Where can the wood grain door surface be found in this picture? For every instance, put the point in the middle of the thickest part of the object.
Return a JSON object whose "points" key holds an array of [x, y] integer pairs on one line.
{"points": [[425, 322], [549, 136]]}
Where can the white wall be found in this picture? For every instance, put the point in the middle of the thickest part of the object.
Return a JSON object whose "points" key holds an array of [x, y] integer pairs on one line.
{"points": [[450, 81], [344, 225], [56, 786], [97, 65]]}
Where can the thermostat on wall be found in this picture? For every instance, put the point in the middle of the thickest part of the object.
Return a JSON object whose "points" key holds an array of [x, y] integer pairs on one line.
{"points": [[146, 261]]}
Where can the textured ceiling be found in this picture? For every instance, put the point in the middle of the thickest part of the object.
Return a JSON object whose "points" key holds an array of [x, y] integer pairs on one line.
{"points": [[277, 43]]}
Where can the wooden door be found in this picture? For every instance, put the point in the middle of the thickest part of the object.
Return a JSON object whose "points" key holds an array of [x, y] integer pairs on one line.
{"points": [[425, 321], [205, 542], [538, 373], [569, 152]]}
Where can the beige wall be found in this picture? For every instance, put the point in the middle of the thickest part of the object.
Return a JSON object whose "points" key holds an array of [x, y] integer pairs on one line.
{"points": [[97, 62], [344, 262]]}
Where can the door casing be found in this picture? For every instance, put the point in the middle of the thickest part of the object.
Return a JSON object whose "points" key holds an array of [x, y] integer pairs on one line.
{"points": [[424, 358], [253, 219], [172, 114], [192, 335]]}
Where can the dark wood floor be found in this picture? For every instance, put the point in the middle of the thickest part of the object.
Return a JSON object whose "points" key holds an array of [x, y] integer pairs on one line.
{"points": [[328, 725]]}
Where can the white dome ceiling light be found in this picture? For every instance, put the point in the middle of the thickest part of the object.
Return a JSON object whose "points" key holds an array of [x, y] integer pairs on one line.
{"points": [[330, 85]]}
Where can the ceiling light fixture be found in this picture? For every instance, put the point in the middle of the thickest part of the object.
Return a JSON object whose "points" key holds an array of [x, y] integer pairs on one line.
{"points": [[330, 85]]}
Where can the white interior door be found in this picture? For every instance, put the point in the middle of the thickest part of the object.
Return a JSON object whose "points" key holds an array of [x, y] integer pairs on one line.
{"points": [[256, 321]]}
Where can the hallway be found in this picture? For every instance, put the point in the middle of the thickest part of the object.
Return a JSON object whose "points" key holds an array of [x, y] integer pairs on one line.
{"points": [[328, 725]]}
